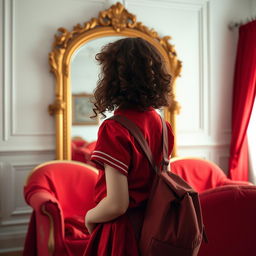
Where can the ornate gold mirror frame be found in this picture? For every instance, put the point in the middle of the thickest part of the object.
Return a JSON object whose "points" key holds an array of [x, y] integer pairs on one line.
{"points": [[114, 21]]}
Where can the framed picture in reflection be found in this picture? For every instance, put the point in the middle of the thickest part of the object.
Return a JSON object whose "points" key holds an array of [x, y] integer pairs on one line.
{"points": [[82, 109]]}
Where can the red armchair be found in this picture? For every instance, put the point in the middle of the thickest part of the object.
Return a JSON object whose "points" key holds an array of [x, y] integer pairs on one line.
{"points": [[81, 150], [229, 215], [201, 174], [60, 193]]}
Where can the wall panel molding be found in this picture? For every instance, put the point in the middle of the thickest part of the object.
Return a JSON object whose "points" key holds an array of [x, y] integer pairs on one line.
{"points": [[203, 74], [201, 11], [7, 64], [14, 131], [21, 211], [12, 241], [204, 64], [9, 114], [15, 222], [14, 212], [217, 153], [14, 169], [192, 5]]}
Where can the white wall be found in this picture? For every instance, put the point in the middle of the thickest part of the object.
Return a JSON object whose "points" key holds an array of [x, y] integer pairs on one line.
{"points": [[203, 43], [217, 52], [253, 8]]}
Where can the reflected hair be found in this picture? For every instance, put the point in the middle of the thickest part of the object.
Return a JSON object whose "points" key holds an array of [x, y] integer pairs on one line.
{"points": [[133, 75]]}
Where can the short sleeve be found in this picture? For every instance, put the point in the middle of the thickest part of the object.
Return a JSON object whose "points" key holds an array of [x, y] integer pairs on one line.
{"points": [[113, 147]]}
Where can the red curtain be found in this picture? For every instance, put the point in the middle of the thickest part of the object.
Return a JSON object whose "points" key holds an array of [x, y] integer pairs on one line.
{"points": [[243, 99]]}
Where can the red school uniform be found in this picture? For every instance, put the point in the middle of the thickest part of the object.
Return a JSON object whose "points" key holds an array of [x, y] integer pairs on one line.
{"points": [[118, 148]]}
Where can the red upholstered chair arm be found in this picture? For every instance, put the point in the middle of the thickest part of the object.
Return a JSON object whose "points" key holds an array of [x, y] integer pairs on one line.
{"points": [[50, 221], [228, 181], [38, 197]]}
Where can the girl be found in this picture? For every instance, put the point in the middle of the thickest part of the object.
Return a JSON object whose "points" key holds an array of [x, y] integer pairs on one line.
{"points": [[134, 83]]}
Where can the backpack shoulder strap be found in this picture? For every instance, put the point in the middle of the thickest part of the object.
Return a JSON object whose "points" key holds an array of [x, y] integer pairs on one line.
{"points": [[165, 161], [137, 134]]}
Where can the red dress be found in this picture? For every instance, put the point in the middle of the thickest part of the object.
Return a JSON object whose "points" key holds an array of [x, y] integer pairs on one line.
{"points": [[117, 148]]}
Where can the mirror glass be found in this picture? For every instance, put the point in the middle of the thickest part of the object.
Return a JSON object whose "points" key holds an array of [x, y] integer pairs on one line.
{"points": [[84, 76]]}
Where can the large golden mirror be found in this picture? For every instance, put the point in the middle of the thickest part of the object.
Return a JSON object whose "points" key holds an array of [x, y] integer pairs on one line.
{"points": [[72, 61]]}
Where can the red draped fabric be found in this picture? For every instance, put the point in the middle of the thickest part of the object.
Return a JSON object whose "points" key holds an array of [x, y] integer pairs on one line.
{"points": [[243, 99]]}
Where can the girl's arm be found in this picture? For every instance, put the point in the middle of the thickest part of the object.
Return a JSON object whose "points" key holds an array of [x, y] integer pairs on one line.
{"points": [[114, 204]]}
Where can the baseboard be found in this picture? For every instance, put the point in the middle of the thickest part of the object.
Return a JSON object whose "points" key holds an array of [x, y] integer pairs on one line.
{"points": [[16, 253], [11, 243]]}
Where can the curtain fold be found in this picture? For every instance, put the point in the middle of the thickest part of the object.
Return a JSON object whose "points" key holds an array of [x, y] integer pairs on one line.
{"points": [[243, 98]]}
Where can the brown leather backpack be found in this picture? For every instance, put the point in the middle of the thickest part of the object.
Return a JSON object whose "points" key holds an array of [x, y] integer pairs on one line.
{"points": [[172, 224]]}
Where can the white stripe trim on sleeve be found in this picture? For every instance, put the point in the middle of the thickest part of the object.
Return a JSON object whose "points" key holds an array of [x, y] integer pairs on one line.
{"points": [[97, 156], [96, 151]]}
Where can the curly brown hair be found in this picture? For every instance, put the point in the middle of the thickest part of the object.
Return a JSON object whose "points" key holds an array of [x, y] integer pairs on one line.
{"points": [[133, 75]]}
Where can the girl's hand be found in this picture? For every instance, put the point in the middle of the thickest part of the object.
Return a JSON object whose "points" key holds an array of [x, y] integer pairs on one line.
{"points": [[89, 225]]}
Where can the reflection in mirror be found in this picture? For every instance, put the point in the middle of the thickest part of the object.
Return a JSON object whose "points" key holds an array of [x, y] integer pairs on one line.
{"points": [[84, 75]]}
